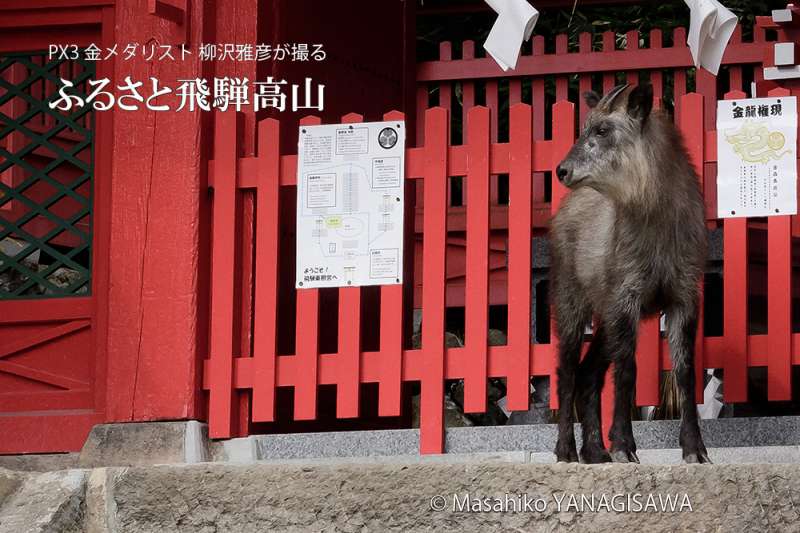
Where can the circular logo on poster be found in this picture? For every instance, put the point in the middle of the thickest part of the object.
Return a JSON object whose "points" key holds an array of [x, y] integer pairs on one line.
{"points": [[387, 138]]}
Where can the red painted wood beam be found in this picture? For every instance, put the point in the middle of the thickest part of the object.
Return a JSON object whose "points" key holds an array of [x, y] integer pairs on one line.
{"points": [[45, 432], [577, 63], [22, 5], [37, 19], [21, 311], [289, 371]]}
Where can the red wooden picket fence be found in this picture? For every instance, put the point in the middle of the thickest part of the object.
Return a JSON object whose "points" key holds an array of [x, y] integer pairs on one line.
{"points": [[457, 83], [552, 69], [229, 376]]}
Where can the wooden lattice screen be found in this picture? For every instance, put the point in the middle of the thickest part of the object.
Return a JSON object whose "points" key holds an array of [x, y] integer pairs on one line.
{"points": [[46, 172]]}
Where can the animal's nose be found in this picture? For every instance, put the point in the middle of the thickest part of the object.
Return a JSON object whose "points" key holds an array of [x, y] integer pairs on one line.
{"points": [[561, 172]]}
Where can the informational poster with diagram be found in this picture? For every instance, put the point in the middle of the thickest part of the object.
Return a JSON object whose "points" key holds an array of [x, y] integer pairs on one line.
{"points": [[757, 157], [350, 204]]}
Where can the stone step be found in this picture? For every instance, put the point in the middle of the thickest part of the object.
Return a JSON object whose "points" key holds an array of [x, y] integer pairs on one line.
{"points": [[426, 496], [44, 502]]}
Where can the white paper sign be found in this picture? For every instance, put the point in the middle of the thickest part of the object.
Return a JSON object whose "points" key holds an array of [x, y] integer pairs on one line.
{"points": [[350, 182], [757, 157]]}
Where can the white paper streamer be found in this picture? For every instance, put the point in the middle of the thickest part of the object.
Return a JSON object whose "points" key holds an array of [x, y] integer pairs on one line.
{"points": [[710, 28], [514, 24], [711, 406]]}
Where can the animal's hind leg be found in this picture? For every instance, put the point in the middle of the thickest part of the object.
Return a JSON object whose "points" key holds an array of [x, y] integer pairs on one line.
{"points": [[682, 331], [591, 375], [571, 317]]}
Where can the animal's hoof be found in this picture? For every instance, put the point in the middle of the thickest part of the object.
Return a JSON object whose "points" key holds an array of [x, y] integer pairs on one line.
{"points": [[566, 453], [624, 456], [697, 458], [595, 455], [568, 458]]}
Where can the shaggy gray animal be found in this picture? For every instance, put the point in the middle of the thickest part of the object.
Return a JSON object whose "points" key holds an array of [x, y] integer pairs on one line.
{"points": [[628, 241]]}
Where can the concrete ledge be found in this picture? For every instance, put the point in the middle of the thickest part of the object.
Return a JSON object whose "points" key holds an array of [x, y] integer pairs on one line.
{"points": [[540, 438], [187, 442], [39, 462], [145, 443], [670, 456]]}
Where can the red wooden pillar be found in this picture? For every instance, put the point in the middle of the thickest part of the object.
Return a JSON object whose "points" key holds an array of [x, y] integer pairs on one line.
{"points": [[157, 302], [154, 245]]}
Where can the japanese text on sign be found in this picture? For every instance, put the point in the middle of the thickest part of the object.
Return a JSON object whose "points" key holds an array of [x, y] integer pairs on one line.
{"points": [[350, 181], [757, 157]]}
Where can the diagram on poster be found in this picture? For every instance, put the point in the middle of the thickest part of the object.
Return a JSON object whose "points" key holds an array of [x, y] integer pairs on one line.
{"points": [[757, 157], [350, 181]]}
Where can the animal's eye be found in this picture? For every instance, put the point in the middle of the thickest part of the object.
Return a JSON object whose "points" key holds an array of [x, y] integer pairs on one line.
{"points": [[601, 131]]}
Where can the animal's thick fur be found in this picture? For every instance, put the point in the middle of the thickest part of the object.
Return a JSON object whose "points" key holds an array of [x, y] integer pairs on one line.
{"points": [[628, 241]]}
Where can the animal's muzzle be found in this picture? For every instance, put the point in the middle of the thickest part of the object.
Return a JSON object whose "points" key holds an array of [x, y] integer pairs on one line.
{"points": [[564, 173]]}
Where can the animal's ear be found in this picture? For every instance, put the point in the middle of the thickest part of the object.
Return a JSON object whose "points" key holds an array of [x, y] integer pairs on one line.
{"points": [[592, 99], [640, 101]]}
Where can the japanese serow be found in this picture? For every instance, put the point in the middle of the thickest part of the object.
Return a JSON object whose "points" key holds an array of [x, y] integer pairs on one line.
{"points": [[628, 242]]}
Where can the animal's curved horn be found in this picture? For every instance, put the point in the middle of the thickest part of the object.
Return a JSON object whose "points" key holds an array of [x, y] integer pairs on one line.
{"points": [[608, 100]]}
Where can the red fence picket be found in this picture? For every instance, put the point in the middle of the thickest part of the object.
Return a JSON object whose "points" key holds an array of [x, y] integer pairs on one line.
{"points": [[690, 123], [431, 438], [221, 395], [779, 301], [519, 256], [477, 297], [734, 265], [228, 376], [265, 334]]}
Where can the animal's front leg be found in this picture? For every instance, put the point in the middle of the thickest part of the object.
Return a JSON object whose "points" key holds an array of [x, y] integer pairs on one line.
{"points": [[571, 315], [682, 331], [569, 350], [623, 447], [591, 374], [623, 322]]}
